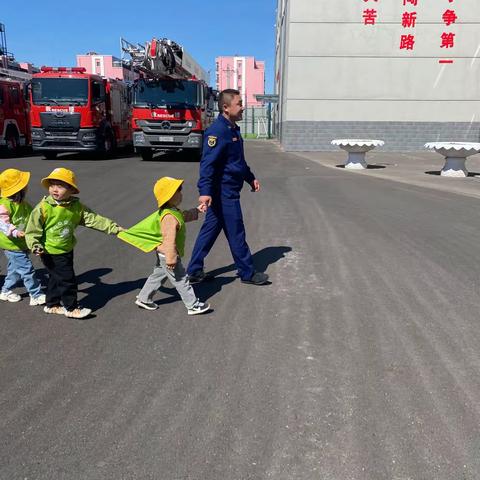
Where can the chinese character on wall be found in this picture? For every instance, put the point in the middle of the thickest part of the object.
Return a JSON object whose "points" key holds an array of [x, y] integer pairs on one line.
{"points": [[447, 39], [409, 20], [370, 14]]}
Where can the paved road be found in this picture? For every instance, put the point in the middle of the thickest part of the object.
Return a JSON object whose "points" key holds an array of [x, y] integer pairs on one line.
{"points": [[360, 362]]}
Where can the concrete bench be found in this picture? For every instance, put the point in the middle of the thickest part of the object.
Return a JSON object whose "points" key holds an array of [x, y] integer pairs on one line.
{"points": [[455, 154], [356, 149]]}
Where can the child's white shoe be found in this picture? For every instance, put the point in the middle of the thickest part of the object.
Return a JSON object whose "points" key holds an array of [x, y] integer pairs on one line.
{"points": [[146, 305], [40, 300], [78, 313], [10, 296], [199, 308], [59, 310]]}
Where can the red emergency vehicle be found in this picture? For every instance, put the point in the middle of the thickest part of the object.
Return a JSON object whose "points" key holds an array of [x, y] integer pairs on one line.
{"points": [[172, 103], [73, 111], [14, 123]]}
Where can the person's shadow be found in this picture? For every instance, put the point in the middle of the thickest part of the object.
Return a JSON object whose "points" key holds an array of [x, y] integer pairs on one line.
{"points": [[100, 293], [261, 260]]}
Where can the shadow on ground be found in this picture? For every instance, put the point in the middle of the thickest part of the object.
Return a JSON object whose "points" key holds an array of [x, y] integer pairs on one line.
{"points": [[125, 152], [261, 260], [182, 156], [98, 294], [369, 167], [438, 173]]}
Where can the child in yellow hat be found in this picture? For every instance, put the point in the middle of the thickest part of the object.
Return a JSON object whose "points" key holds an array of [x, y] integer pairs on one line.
{"points": [[14, 213], [164, 232], [50, 234]]}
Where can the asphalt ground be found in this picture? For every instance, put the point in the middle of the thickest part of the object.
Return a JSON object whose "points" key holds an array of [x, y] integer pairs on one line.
{"points": [[360, 360]]}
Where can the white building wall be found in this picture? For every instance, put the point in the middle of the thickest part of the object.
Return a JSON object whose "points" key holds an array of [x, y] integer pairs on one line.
{"points": [[338, 75]]}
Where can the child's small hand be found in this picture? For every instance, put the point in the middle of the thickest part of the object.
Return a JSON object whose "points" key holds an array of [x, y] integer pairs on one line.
{"points": [[20, 234], [171, 266], [121, 229], [202, 208]]}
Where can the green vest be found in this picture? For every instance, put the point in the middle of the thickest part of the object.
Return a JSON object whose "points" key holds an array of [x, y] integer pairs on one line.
{"points": [[147, 235], [19, 213], [59, 224]]}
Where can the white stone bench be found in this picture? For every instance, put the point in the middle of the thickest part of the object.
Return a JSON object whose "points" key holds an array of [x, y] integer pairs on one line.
{"points": [[455, 154], [357, 148]]}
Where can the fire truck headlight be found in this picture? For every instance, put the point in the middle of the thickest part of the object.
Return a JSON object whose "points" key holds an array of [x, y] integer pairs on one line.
{"points": [[89, 135], [194, 139], [138, 137], [190, 124], [36, 134]]}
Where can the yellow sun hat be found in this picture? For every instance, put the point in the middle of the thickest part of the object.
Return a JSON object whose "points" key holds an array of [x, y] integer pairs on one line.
{"points": [[64, 175], [12, 181], [165, 189]]}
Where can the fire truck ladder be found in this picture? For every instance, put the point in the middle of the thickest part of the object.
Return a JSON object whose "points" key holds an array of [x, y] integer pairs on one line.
{"points": [[157, 58], [9, 68]]}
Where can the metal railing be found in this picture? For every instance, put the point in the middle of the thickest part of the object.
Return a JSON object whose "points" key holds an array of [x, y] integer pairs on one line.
{"points": [[258, 122]]}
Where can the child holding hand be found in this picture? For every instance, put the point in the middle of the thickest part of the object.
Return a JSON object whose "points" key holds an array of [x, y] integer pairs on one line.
{"points": [[164, 232], [50, 234]]}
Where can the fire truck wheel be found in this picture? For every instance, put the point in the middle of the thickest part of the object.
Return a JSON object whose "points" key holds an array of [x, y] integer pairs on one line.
{"points": [[146, 154], [50, 155], [12, 140]]}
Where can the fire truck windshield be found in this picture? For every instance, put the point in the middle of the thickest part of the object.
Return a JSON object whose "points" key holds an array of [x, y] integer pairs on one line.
{"points": [[60, 91], [167, 93]]}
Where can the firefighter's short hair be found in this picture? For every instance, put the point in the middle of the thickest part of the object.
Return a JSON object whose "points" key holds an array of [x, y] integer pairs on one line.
{"points": [[226, 97]]}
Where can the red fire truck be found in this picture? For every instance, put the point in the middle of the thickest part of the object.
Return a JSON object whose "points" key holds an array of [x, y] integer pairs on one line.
{"points": [[172, 102], [72, 111], [14, 123]]}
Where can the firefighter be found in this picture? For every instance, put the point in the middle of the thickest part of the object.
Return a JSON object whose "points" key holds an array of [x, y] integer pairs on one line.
{"points": [[223, 170]]}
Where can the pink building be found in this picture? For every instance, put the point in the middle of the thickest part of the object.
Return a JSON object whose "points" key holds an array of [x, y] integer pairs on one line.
{"points": [[107, 66], [28, 67], [241, 73]]}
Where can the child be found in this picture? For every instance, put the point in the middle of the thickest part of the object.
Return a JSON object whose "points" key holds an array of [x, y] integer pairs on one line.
{"points": [[50, 234], [164, 231], [14, 213]]}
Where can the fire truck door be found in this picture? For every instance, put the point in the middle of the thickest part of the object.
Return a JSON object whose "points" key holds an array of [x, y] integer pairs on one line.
{"points": [[116, 106], [17, 107], [2, 109]]}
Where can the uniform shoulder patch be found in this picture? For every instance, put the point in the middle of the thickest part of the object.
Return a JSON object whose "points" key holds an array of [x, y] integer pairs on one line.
{"points": [[212, 141]]}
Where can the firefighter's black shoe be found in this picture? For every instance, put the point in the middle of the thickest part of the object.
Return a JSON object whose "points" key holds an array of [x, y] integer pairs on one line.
{"points": [[258, 278], [199, 276]]}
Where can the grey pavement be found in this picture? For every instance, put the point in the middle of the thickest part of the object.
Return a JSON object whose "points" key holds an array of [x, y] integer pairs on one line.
{"points": [[415, 168], [360, 361]]}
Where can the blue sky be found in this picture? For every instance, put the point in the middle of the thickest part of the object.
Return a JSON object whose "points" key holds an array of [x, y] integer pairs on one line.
{"points": [[53, 32]]}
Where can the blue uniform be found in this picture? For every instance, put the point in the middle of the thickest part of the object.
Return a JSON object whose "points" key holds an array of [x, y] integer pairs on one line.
{"points": [[223, 171]]}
